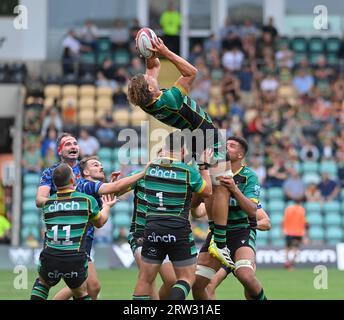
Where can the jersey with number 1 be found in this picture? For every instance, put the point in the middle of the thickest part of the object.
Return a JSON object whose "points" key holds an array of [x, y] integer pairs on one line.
{"points": [[169, 184]]}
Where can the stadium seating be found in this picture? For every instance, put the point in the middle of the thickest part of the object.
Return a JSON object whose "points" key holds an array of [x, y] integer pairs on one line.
{"points": [[276, 206], [334, 234], [314, 219], [276, 219], [316, 233], [331, 207], [332, 219], [275, 193]]}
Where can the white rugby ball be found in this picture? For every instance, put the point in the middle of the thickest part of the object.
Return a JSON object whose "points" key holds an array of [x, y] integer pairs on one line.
{"points": [[144, 42]]}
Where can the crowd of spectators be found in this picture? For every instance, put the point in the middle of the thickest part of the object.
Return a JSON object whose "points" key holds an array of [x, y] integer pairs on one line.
{"points": [[290, 112]]}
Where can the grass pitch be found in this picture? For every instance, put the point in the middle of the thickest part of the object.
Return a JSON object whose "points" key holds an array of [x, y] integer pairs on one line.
{"points": [[118, 284]]}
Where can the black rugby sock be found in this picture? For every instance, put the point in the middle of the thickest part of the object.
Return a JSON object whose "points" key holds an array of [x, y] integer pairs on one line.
{"points": [[179, 291]]}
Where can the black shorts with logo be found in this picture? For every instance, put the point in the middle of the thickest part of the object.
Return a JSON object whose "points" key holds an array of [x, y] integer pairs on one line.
{"points": [[177, 243], [236, 238], [71, 267]]}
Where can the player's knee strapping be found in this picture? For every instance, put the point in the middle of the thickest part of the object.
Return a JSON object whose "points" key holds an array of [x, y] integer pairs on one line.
{"points": [[179, 291], [243, 264], [39, 291], [205, 272]]}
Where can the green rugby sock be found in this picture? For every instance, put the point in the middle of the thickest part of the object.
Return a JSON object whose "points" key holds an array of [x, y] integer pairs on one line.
{"points": [[87, 297], [260, 296], [141, 297], [39, 291], [220, 235]]}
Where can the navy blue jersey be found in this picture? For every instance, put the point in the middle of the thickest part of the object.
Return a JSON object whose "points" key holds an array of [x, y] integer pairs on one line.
{"points": [[91, 188], [47, 176]]}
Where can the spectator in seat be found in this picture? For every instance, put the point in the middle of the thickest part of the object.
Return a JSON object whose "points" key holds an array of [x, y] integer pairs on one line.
{"points": [[277, 173], [89, 34], [119, 35], [270, 28], [49, 149], [293, 186], [284, 57], [303, 82], [136, 66], [312, 193], [73, 44], [258, 168], [105, 132], [329, 188], [52, 119], [108, 69], [232, 60], [32, 161], [88, 144]]}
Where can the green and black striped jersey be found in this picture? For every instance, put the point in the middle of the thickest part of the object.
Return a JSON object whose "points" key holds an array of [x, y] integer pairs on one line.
{"points": [[247, 181], [169, 184], [177, 110], [138, 220], [66, 216]]}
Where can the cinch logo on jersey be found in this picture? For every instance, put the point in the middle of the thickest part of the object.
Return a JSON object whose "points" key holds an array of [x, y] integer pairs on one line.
{"points": [[156, 172], [168, 238], [68, 275], [64, 206]]}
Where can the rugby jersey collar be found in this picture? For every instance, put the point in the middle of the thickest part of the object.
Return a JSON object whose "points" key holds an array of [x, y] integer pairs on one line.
{"points": [[65, 191], [170, 158], [154, 100], [238, 171]]}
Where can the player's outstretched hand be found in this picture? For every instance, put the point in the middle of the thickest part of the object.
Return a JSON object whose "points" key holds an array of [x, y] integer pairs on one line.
{"points": [[159, 47], [108, 200], [147, 166]]}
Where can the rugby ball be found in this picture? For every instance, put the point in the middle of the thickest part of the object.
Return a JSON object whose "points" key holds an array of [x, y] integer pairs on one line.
{"points": [[144, 42]]}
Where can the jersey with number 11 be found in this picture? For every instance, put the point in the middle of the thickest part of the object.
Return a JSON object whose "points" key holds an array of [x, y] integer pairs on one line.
{"points": [[66, 216]]}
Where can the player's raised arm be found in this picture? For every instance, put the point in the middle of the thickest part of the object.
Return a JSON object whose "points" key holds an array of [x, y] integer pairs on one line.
{"points": [[187, 70], [153, 67], [120, 186]]}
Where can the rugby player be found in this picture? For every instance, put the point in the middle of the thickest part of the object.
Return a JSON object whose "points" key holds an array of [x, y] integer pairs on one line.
{"points": [[169, 184], [93, 183], [175, 108], [66, 215], [263, 223], [244, 189]]}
